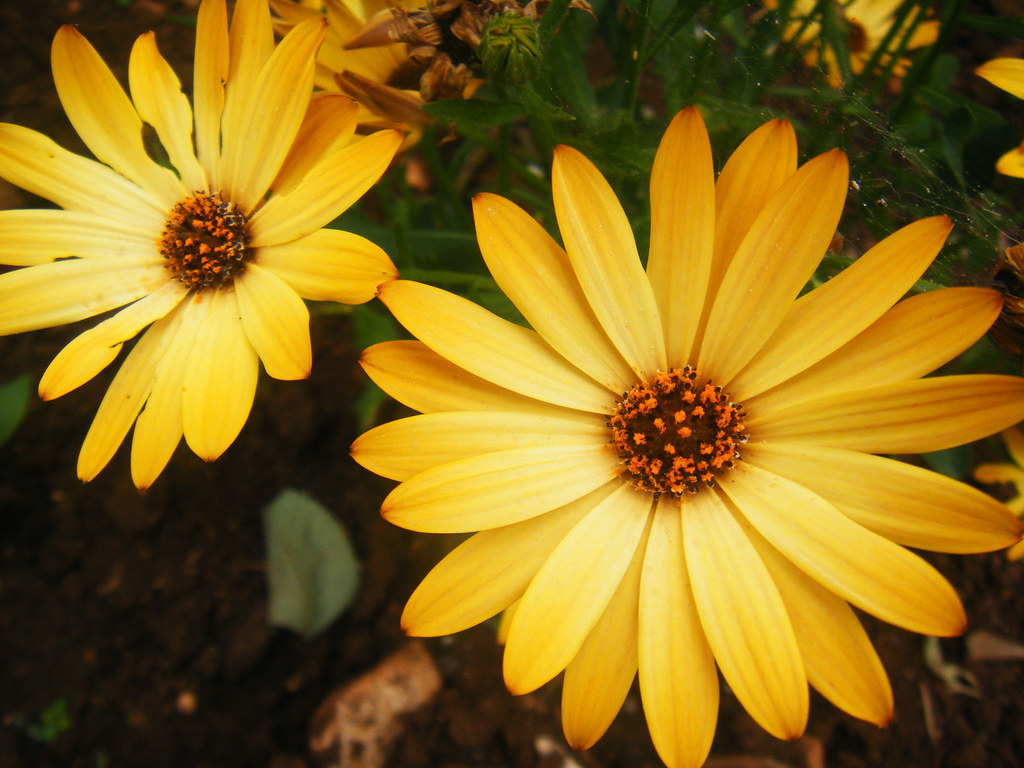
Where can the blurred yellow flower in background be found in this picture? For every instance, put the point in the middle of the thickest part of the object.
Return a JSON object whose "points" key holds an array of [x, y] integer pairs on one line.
{"points": [[868, 22], [1007, 74], [1012, 474], [671, 473], [209, 259]]}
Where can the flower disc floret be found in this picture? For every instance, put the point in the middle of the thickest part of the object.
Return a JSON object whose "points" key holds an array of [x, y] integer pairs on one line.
{"points": [[204, 241], [674, 433]]}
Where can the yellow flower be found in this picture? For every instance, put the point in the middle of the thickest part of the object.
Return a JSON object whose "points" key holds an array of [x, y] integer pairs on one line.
{"points": [[672, 471], [214, 256], [868, 23], [381, 79], [1008, 473], [1007, 74]]}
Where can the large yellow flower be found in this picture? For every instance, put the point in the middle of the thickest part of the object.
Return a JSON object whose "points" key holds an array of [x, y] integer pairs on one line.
{"points": [[1007, 74], [868, 22], [673, 469], [214, 256]]}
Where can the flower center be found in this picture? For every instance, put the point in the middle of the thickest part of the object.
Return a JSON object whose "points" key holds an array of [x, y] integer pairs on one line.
{"points": [[204, 241], [674, 434]]}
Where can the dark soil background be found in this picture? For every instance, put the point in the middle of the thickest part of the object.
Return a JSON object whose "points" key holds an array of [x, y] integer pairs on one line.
{"points": [[145, 615]]}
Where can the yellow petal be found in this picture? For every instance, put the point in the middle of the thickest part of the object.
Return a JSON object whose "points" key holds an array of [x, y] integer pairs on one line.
{"points": [[1007, 74], [678, 678], [417, 377], [498, 488], [489, 571], [62, 292], [1014, 440], [92, 351], [682, 230], [600, 245], [871, 572], [38, 165], [599, 676], [255, 147], [330, 265], [743, 617], [212, 62], [220, 381], [400, 449], [908, 417], [326, 191], [328, 126], [534, 272], [104, 117], [784, 246], [491, 347], [823, 320], [838, 656], [157, 94], [907, 504], [30, 237], [1012, 163], [913, 338], [125, 397], [572, 589], [276, 323]]}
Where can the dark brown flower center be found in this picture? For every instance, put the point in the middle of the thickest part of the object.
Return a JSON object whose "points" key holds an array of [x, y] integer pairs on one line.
{"points": [[204, 241], [675, 434]]}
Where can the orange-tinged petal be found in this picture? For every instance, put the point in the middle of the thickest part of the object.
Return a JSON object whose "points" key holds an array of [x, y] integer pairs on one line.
{"points": [[784, 246], [600, 245], [599, 676], [870, 571], [276, 322], [93, 350], [682, 231], [678, 678], [220, 381], [1013, 438], [420, 378], [499, 488], [329, 125], [572, 589], [534, 272], [823, 320], [489, 571], [1006, 73], [326, 191], [838, 656], [744, 617], [1012, 163], [913, 338], [157, 94], [61, 292], [400, 449], [330, 265], [497, 350], [30, 237], [104, 117], [36, 164], [907, 504], [907, 417], [212, 62]]}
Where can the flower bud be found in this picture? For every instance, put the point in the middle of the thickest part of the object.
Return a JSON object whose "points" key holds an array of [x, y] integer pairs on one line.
{"points": [[509, 50]]}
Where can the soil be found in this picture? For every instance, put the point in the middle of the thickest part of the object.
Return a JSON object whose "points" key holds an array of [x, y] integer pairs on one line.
{"points": [[143, 617]]}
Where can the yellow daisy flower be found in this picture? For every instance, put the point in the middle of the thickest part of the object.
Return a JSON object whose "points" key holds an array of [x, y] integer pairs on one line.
{"points": [[672, 472], [868, 23], [1007, 74], [1013, 474], [214, 256]]}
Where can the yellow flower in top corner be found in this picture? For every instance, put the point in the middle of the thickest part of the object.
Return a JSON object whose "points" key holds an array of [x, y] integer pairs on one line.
{"points": [[1007, 74], [673, 470], [868, 22], [1012, 474], [382, 79], [210, 261]]}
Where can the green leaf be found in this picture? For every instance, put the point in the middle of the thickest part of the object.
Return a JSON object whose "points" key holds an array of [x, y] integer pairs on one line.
{"points": [[312, 570], [1014, 27], [14, 397], [480, 114]]}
